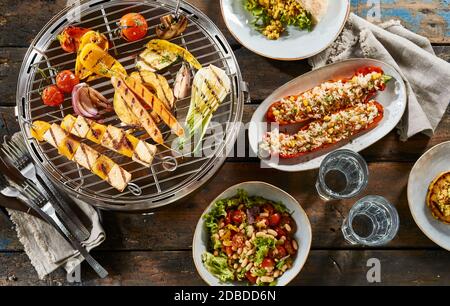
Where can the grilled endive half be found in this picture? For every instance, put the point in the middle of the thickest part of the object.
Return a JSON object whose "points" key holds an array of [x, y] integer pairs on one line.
{"points": [[210, 87]]}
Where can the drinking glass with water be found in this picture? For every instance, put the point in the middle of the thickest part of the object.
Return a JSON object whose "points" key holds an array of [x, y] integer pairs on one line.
{"points": [[372, 221], [343, 174]]}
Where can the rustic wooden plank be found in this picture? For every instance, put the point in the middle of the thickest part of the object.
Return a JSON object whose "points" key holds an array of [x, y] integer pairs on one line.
{"points": [[172, 227], [334, 267], [429, 18]]}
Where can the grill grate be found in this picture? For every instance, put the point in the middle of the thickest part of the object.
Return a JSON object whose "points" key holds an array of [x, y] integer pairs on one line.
{"points": [[168, 179]]}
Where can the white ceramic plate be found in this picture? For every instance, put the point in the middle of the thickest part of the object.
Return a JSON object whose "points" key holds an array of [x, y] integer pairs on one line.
{"points": [[393, 99], [429, 166], [294, 44], [303, 235]]}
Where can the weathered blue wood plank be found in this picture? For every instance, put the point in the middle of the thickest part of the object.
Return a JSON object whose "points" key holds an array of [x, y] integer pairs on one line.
{"points": [[430, 18]]}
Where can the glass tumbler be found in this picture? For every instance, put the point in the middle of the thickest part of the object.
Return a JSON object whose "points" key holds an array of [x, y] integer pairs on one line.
{"points": [[372, 221], [343, 174]]}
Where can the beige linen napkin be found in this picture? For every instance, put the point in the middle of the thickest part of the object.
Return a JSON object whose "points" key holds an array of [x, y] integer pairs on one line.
{"points": [[427, 77], [46, 248]]}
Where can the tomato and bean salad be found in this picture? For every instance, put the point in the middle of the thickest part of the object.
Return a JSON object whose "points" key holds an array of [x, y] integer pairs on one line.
{"points": [[251, 239]]}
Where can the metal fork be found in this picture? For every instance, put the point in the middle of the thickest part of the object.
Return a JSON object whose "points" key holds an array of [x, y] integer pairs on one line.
{"points": [[37, 201], [15, 149]]}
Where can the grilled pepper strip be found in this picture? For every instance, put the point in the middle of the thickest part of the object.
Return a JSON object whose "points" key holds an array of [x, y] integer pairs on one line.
{"points": [[134, 106], [110, 137], [156, 104], [85, 156], [99, 62], [90, 37], [321, 134], [328, 97]]}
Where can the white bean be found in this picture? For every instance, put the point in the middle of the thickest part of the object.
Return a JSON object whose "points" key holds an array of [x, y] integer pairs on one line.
{"points": [[244, 262], [260, 234], [272, 232], [266, 279], [249, 266], [239, 251], [294, 245], [288, 227], [264, 215], [276, 273]]}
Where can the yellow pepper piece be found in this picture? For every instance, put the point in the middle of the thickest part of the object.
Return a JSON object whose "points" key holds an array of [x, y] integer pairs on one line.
{"points": [[38, 129], [68, 147], [96, 132], [99, 62], [160, 44], [90, 37]]}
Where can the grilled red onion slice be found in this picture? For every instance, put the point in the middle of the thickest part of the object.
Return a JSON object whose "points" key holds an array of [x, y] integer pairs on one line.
{"points": [[87, 101]]}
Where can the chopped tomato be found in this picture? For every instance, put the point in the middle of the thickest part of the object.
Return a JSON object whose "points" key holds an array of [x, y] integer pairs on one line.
{"points": [[274, 219], [268, 208], [133, 26], [237, 216], [228, 217], [66, 81], [281, 232], [70, 38], [228, 251], [268, 263], [281, 252], [369, 69], [238, 240], [289, 248], [52, 96], [252, 279]]}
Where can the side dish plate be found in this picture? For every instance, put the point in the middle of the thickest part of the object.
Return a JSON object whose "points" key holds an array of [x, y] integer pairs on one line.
{"points": [[292, 45], [429, 166]]}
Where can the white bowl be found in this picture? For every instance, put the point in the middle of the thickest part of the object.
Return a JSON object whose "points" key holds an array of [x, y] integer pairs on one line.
{"points": [[393, 99], [428, 167], [303, 235], [295, 44]]}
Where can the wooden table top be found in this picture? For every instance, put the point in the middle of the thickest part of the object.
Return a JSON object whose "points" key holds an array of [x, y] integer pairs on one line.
{"points": [[156, 249]]}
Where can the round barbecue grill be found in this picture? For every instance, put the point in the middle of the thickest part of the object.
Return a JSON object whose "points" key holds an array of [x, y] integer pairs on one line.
{"points": [[168, 179]]}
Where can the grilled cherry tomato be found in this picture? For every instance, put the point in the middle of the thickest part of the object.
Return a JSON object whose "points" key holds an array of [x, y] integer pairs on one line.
{"points": [[252, 279], [66, 81], [70, 38], [238, 240], [133, 26], [52, 96], [237, 216], [274, 219], [268, 263]]}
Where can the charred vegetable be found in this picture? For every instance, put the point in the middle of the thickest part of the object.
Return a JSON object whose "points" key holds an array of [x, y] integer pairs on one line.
{"points": [[99, 62], [87, 101], [182, 85], [171, 26], [210, 87]]}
